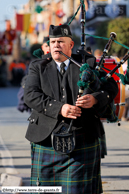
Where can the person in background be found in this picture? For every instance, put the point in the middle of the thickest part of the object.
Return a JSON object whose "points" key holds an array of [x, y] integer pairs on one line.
{"points": [[98, 53], [3, 71], [21, 106], [125, 116], [12, 65], [103, 147], [45, 46], [89, 50], [44, 50], [51, 91], [17, 70]]}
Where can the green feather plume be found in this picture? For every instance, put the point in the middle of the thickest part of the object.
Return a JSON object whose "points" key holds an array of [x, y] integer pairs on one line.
{"points": [[38, 53], [83, 84], [84, 66]]}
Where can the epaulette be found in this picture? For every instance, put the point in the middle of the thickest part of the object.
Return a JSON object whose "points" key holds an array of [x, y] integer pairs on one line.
{"points": [[47, 56]]}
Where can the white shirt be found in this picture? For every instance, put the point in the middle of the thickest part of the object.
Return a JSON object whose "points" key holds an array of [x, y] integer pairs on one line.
{"points": [[67, 62]]}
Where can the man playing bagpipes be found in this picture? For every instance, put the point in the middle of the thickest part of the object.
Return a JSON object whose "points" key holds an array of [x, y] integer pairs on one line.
{"points": [[64, 154]]}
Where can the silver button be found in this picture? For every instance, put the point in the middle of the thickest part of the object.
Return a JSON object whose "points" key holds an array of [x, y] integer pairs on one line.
{"points": [[63, 89], [50, 104], [63, 96], [62, 121], [54, 100], [31, 121], [102, 91], [45, 110], [107, 96]]}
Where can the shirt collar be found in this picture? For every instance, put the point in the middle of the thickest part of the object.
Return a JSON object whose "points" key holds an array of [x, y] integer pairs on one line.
{"points": [[66, 63]]}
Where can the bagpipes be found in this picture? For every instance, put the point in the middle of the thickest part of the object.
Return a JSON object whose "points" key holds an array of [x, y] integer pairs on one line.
{"points": [[90, 80], [63, 137]]}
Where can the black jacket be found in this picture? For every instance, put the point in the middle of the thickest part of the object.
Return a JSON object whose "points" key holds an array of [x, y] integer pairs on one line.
{"points": [[42, 95]]}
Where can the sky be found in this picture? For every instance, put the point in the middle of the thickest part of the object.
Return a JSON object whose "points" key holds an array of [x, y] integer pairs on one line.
{"points": [[7, 10]]}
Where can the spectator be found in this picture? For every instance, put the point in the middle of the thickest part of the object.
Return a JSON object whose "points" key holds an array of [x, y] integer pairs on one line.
{"points": [[3, 71], [18, 71], [89, 50], [45, 46]]}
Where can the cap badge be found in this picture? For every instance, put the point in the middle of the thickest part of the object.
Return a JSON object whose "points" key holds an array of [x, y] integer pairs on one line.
{"points": [[65, 31]]}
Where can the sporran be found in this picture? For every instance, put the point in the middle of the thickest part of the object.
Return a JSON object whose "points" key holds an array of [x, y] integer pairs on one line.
{"points": [[63, 138]]}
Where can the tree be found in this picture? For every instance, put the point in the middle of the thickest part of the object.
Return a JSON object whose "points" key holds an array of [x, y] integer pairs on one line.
{"points": [[121, 27]]}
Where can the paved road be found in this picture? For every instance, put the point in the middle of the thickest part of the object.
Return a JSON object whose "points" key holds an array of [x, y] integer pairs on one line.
{"points": [[115, 166], [15, 149]]}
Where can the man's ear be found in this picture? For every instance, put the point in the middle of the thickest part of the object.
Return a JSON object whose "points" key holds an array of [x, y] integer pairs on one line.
{"points": [[72, 44]]}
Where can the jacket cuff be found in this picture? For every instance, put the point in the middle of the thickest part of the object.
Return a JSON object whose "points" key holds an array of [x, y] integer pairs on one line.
{"points": [[103, 98]]}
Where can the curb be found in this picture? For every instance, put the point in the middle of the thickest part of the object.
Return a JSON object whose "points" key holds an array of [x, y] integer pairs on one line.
{"points": [[10, 180]]}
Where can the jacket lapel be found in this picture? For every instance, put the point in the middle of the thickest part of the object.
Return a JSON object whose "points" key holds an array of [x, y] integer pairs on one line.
{"points": [[53, 79]]}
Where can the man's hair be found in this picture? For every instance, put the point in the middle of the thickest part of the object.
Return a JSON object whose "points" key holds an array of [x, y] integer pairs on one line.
{"points": [[89, 49]]}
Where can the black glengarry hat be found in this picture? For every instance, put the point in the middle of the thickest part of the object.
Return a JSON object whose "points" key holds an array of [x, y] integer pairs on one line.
{"points": [[59, 31], [46, 38]]}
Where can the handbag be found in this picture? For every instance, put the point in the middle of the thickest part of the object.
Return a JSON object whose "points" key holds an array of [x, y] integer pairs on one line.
{"points": [[63, 138]]}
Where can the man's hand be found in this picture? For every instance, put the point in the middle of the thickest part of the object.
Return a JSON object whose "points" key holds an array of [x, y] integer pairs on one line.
{"points": [[86, 101], [70, 111]]}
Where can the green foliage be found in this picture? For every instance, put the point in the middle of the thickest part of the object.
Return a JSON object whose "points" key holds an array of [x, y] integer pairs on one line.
{"points": [[121, 27], [102, 31]]}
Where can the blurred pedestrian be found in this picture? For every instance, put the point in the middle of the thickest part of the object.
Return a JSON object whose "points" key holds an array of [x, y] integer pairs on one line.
{"points": [[98, 53], [125, 116], [18, 71], [21, 106], [45, 49], [103, 147], [3, 71], [89, 50], [45, 46]]}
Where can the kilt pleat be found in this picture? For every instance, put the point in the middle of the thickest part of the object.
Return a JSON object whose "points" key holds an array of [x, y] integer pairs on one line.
{"points": [[77, 173]]}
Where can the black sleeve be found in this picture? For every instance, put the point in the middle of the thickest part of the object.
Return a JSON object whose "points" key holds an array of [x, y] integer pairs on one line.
{"points": [[107, 92], [35, 97]]}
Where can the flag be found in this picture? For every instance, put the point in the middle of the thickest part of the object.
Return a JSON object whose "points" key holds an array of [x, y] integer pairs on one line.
{"points": [[22, 22]]}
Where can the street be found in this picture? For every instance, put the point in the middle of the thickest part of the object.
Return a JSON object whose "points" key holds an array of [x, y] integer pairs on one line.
{"points": [[15, 149], [115, 166]]}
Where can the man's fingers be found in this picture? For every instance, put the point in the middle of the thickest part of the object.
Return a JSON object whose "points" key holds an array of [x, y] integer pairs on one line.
{"points": [[70, 111], [84, 103], [71, 117], [74, 114]]}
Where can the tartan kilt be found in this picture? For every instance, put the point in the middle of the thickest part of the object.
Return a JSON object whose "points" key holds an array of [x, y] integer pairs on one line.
{"points": [[77, 172]]}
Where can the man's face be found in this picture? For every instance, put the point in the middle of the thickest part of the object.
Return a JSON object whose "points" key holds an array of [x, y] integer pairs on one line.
{"points": [[45, 48], [64, 44]]}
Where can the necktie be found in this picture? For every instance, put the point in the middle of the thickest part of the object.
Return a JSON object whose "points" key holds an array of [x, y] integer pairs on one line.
{"points": [[62, 68]]}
